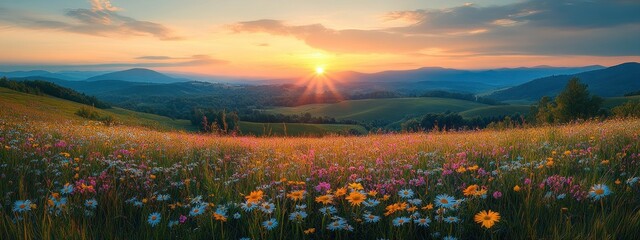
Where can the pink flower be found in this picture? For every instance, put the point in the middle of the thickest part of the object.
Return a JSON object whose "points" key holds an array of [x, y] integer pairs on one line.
{"points": [[497, 194], [182, 218], [323, 187]]}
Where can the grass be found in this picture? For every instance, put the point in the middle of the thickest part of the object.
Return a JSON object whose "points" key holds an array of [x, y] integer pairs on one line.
{"points": [[133, 172], [298, 129], [495, 111], [45, 107], [388, 110]]}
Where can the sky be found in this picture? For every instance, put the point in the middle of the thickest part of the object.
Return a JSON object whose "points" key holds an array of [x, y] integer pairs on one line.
{"points": [[279, 39]]}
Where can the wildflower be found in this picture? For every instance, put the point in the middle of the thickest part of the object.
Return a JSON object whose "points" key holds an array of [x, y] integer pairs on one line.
{"points": [[487, 218], [247, 206], [415, 201], [449, 238], [497, 194], [296, 195], [270, 224], [22, 206], [370, 218], [423, 222], [516, 188], [219, 217], [255, 196], [267, 208], [599, 191], [325, 199], [399, 221], [617, 182], [406, 193], [297, 216], [451, 219], [237, 216], [172, 223], [356, 198], [67, 189], [182, 218], [197, 210], [328, 210], [632, 181], [428, 207], [371, 203], [309, 231], [445, 201], [355, 186], [340, 191], [154, 219], [372, 193], [163, 197], [301, 207], [323, 187], [337, 225], [91, 203]]}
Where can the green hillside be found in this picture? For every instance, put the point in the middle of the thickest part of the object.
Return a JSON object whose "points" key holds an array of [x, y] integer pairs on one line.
{"points": [[495, 111], [50, 108], [389, 109]]}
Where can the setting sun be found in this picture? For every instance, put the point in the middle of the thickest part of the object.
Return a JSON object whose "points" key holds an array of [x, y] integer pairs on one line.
{"points": [[319, 70]]}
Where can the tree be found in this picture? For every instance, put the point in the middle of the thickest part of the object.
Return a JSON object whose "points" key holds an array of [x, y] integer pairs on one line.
{"points": [[543, 112], [575, 102]]}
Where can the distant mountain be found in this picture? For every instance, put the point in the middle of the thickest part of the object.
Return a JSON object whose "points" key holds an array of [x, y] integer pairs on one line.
{"points": [[500, 77], [608, 82], [137, 75], [36, 73]]}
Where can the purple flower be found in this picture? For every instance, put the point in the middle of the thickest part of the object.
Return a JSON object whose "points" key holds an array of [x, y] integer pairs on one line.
{"points": [[182, 218], [527, 181], [323, 187], [497, 194]]}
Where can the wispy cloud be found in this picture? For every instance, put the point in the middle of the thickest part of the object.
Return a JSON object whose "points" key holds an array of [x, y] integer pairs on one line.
{"points": [[152, 62], [545, 27], [103, 19]]}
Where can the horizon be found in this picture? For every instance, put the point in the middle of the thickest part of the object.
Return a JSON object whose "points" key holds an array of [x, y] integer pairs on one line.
{"points": [[269, 41]]}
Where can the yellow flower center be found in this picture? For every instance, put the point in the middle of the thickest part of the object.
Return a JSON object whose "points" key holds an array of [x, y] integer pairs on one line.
{"points": [[599, 191], [23, 206], [444, 201]]}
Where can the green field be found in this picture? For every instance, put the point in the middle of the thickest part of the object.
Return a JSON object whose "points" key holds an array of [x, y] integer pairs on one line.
{"points": [[389, 109], [46, 107], [492, 111]]}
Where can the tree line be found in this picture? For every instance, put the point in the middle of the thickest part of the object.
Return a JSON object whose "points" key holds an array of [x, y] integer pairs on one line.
{"points": [[39, 87]]}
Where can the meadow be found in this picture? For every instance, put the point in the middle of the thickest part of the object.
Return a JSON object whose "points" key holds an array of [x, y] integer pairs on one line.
{"points": [[65, 178]]}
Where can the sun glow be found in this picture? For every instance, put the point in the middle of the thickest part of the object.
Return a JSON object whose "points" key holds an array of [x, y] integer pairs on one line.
{"points": [[319, 70]]}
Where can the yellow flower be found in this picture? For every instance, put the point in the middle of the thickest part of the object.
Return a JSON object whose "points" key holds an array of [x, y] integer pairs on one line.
{"points": [[618, 182], [296, 195], [325, 199], [356, 198], [516, 188], [355, 186], [152, 176], [309, 231], [254, 196], [373, 193], [385, 197], [604, 162], [461, 169], [470, 190], [341, 191], [487, 218]]}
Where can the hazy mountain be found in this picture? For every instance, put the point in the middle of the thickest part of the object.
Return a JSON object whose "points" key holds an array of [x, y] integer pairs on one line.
{"points": [[137, 75], [496, 77], [608, 82]]}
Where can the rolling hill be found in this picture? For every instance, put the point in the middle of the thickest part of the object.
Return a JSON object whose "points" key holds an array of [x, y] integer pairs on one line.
{"points": [[385, 110], [48, 108], [137, 75], [609, 82]]}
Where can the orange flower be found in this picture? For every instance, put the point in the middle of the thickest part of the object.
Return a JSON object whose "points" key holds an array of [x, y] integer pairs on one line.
{"points": [[372, 193], [219, 217], [516, 188], [296, 195], [309, 231], [325, 199], [341, 191], [487, 218], [355, 186], [356, 198], [254, 196]]}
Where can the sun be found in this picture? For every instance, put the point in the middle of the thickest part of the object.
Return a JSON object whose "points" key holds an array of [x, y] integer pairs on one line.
{"points": [[319, 70]]}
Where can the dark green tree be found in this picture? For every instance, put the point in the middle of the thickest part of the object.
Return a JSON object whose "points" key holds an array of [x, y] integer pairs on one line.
{"points": [[575, 102]]}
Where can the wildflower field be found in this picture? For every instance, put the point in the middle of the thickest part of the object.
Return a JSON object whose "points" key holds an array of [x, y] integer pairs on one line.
{"points": [[70, 179]]}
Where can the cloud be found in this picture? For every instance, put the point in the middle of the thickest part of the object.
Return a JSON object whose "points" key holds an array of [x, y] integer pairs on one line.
{"points": [[156, 62], [102, 19], [546, 27], [347, 41]]}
